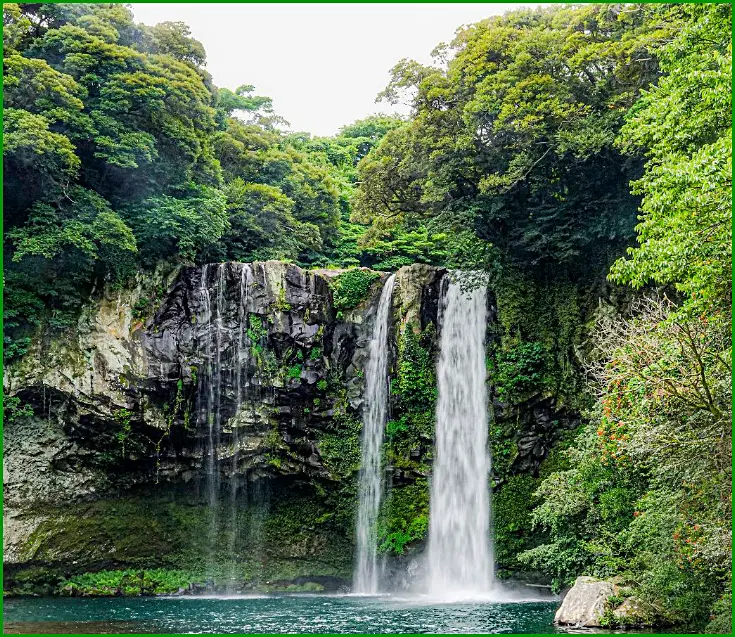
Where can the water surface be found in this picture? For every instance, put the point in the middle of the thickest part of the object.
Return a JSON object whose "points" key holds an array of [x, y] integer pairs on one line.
{"points": [[297, 613]]}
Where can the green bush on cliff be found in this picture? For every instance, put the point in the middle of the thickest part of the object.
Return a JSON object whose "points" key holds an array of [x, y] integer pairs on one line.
{"points": [[404, 517], [503, 447], [15, 409], [518, 371], [350, 288], [129, 582], [340, 447], [409, 439], [293, 372], [414, 395], [414, 386], [540, 327], [256, 332], [513, 503]]}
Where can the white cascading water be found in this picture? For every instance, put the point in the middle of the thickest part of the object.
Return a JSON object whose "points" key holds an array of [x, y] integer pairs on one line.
{"points": [[460, 560], [370, 489], [240, 359], [225, 353]]}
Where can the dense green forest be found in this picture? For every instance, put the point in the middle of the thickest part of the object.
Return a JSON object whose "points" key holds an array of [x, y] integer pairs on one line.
{"points": [[586, 145]]}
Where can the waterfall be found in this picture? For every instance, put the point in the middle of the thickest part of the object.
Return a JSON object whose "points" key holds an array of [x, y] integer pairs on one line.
{"points": [[375, 414], [225, 357], [460, 560], [240, 358], [207, 383], [209, 394], [215, 410]]}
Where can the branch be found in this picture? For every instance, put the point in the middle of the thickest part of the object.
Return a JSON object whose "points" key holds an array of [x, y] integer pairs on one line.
{"points": [[528, 172]]}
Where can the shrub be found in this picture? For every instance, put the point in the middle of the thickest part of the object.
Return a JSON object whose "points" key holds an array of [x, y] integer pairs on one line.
{"points": [[404, 517], [519, 371], [350, 288], [128, 582]]}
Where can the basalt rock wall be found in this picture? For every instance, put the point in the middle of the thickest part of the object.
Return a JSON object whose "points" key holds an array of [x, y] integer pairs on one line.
{"points": [[208, 418], [227, 387]]}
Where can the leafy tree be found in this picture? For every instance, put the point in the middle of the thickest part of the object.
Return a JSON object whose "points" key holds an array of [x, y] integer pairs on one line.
{"points": [[515, 138], [173, 38], [183, 225], [81, 220], [662, 438], [102, 119], [684, 126], [228, 103], [262, 225]]}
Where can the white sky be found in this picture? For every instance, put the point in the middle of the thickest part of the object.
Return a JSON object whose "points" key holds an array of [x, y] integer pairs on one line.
{"points": [[323, 64]]}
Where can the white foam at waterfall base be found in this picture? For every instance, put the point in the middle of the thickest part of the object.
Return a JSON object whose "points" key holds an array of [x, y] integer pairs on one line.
{"points": [[460, 557], [375, 412]]}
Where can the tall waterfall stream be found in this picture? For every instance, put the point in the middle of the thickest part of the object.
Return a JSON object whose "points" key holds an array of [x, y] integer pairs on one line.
{"points": [[460, 560], [371, 473]]}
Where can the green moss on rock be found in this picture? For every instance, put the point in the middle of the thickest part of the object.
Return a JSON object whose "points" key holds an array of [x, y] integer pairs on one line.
{"points": [[294, 534]]}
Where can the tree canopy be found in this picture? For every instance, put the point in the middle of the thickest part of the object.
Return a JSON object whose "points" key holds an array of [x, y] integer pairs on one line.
{"points": [[119, 152], [514, 139]]}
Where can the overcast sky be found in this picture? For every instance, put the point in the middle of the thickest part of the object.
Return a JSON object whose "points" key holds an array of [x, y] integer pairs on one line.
{"points": [[323, 64]]}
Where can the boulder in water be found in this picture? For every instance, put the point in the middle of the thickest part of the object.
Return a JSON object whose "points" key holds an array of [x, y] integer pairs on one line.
{"points": [[584, 604]]}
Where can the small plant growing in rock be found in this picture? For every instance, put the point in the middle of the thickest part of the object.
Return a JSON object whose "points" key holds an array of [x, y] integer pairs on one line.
{"points": [[281, 304], [350, 288], [141, 309], [122, 417], [14, 408]]}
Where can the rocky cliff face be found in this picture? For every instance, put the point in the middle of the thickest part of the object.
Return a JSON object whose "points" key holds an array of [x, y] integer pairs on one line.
{"points": [[209, 419], [170, 402]]}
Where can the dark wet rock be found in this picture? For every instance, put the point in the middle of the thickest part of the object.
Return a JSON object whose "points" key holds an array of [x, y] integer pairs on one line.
{"points": [[249, 358], [538, 425]]}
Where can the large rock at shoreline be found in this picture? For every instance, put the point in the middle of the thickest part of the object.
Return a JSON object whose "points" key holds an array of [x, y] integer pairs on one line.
{"points": [[584, 605]]}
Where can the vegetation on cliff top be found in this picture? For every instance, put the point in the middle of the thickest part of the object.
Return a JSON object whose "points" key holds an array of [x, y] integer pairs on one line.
{"points": [[350, 288]]}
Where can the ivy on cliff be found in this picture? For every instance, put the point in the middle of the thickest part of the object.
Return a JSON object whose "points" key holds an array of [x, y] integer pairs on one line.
{"points": [[409, 439]]}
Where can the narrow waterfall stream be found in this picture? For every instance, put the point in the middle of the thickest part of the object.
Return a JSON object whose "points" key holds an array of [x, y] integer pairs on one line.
{"points": [[241, 359], [224, 349], [206, 400], [460, 560], [370, 489], [209, 395]]}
